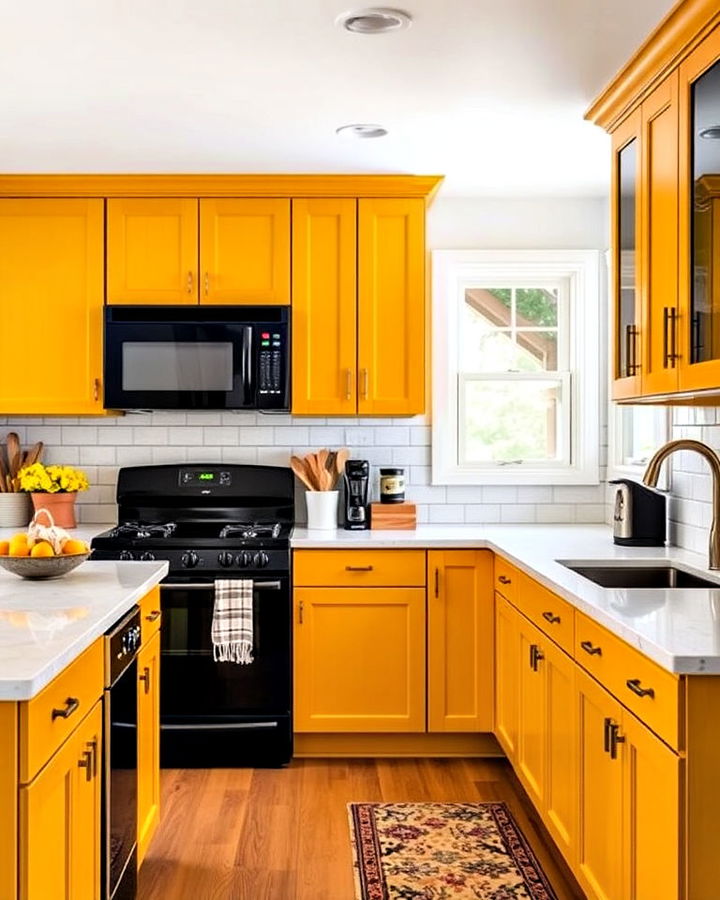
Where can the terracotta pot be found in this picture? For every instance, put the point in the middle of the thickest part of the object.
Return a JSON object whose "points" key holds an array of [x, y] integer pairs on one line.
{"points": [[62, 507]]}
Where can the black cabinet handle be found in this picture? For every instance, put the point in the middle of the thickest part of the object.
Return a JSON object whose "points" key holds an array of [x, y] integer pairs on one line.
{"points": [[71, 704], [588, 648], [551, 618], [437, 582], [145, 678], [536, 655], [634, 685], [155, 614], [503, 579], [606, 735], [87, 763], [358, 568], [615, 739]]}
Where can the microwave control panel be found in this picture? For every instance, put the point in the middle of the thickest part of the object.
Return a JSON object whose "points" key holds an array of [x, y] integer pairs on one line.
{"points": [[271, 374]]}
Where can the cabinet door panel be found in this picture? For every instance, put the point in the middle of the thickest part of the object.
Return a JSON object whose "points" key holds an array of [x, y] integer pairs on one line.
{"points": [[507, 675], [359, 659], [51, 271], [391, 307], [626, 352], [600, 781], [561, 785], [651, 819], [460, 641], [659, 198], [324, 307], [531, 759], [60, 820], [245, 251], [152, 251], [148, 743]]}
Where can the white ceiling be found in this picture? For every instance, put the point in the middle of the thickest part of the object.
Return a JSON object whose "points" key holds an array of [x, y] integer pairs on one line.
{"points": [[488, 92]]}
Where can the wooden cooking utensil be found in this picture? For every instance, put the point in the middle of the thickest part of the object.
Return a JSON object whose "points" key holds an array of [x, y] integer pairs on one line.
{"points": [[341, 457], [299, 468], [14, 453]]}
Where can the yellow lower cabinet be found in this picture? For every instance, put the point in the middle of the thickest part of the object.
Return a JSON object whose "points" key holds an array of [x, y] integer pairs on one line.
{"points": [[600, 782], [561, 793], [359, 659], [507, 675], [148, 736], [651, 836], [532, 739], [460, 640], [60, 820]]}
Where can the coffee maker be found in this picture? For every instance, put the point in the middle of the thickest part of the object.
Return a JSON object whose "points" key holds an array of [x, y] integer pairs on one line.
{"points": [[357, 481]]}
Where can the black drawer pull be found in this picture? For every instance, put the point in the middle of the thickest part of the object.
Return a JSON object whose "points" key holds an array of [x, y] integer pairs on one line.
{"points": [[551, 618], [588, 648], [503, 579], [358, 568], [145, 678], [71, 704], [155, 614], [634, 685]]}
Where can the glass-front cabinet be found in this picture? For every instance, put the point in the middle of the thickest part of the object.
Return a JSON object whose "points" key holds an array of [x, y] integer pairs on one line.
{"points": [[626, 359], [700, 222]]}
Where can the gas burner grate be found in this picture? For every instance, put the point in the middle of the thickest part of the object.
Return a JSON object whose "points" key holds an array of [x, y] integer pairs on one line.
{"points": [[144, 529], [251, 530]]}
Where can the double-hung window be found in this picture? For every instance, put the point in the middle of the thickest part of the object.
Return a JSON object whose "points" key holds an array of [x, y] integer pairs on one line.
{"points": [[515, 367]]}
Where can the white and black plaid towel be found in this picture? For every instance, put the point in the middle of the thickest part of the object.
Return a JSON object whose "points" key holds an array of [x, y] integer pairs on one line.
{"points": [[232, 624]]}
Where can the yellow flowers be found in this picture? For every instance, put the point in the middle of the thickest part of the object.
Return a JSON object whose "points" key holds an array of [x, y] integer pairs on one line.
{"points": [[52, 479]]}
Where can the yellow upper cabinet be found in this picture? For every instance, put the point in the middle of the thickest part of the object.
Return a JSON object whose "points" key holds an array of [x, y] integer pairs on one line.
{"points": [[51, 271], [245, 251], [152, 250], [324, 331], [391, 306]]}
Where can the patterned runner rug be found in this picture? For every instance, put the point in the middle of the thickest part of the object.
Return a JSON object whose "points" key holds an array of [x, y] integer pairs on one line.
{"points": [[442, 851]]}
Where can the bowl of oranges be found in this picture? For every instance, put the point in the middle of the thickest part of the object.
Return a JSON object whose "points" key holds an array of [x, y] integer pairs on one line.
{"points": [[44, 551]]}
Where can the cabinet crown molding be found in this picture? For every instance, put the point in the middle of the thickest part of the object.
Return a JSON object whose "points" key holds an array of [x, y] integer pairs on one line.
{"points": [[682, 29], [225, 185]]}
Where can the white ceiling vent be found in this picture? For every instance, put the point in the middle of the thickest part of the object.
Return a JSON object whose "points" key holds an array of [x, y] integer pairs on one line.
{"points": [[374, 20]]}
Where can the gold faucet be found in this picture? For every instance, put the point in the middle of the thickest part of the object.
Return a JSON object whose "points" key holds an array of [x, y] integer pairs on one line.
{"points": [[650, 478]]}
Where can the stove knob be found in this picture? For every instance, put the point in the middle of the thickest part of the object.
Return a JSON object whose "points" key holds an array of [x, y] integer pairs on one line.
{"points": [[126, 554], [244, 559], [261, 559], [225, 559], [147, 556], [190, 559]]}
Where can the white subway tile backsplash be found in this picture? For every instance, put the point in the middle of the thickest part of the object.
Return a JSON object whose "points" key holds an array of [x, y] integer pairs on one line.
{"points": [[483, 512], [447, 513], [329, 436], [252, 437], [291, 435], [185, 435], [78, 435], [225, 436], [392, 436], [517, 513], [359, 436]]}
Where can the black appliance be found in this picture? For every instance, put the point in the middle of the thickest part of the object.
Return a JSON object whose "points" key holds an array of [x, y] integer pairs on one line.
{"points": [[197, 357], [120, 782], [639, 515], [210, 522], [357, 480]]}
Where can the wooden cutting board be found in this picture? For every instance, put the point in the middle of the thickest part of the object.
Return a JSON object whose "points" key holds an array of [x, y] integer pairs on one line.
{"points": [[393, 516]]}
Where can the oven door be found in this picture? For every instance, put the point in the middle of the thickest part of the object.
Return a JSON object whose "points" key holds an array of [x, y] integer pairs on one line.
{"points": [[195, 357], [195, 688]]}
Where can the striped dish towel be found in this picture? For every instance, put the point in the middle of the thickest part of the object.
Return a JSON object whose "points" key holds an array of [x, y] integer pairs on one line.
{"points": [[232, 624]]}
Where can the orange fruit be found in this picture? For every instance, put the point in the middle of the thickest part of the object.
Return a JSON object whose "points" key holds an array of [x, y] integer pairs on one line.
{"points": [[42, 548], [72, 546], [20, 536], [4, 548], [18, 548]]}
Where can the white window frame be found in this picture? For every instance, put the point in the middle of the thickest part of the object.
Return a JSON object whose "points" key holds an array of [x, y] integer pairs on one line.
{"points": [[453, 272]]}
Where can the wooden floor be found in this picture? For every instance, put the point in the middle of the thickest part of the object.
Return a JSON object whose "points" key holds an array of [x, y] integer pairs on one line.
{"points": [[282, 834]]}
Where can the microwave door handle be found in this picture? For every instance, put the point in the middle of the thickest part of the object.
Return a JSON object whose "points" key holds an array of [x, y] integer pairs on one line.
{"points": [[246, 362]]}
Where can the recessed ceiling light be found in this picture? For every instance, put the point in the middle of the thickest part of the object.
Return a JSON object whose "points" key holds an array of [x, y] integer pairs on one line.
{"points": [[374, 20], [712, 133], [361, 131]]}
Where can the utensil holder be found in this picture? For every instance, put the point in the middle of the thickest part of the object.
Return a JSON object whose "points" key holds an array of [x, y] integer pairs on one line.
{"points": [[14, 510], [322, 509]]}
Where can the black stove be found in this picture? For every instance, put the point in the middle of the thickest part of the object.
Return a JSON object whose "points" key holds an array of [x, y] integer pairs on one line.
{"points": [[214, 522]]}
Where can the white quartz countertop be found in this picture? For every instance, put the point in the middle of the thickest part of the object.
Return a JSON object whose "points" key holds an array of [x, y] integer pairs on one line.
{"points": [[45, 625], [677, 628]]}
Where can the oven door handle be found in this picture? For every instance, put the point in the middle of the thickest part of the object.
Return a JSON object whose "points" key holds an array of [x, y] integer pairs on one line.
{"points": [[199, 586]]}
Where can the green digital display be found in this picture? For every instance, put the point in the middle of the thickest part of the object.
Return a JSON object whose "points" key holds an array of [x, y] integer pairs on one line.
{"points": [[206, 476]]}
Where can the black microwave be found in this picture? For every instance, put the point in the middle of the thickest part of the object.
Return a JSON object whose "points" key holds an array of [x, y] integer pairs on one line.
{"points": [[197, 357]]}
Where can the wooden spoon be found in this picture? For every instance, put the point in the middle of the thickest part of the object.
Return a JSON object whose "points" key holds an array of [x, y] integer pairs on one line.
{"points": [[14, 453], [34, 453], [298, 467], [341, 457], [315, 470]]}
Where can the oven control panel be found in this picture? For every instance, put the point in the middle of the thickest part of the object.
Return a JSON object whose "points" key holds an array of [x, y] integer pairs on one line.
{"points": [[205, 477]]}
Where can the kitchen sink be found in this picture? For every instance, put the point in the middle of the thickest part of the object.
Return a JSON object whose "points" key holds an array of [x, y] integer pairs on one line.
{"points": [[640, 576]]}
